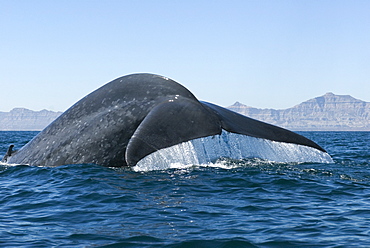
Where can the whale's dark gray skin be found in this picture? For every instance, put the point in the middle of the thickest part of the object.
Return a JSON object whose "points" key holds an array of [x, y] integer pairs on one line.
{"points": [[132, 117]]}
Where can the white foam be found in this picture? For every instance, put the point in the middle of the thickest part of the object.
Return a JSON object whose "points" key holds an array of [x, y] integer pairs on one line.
{"points": [[206, 150], [8, 165]]}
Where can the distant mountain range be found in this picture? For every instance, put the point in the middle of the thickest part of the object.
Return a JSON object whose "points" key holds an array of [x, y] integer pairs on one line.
{"points": [[329, 112], [26, 120]]}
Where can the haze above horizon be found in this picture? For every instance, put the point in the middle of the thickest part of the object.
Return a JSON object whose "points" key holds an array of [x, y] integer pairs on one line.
{"points": [[265, 54]]}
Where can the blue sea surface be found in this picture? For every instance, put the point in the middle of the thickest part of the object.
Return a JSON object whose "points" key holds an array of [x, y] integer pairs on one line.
{"points": [[232, 203]]}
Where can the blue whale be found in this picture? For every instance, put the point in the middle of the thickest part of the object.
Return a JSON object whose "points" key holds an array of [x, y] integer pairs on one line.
{"points": [[136, 117]]}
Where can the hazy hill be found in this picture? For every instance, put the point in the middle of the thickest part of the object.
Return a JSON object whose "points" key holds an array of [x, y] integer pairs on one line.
{"points": [[26, 120], [328, 112]]}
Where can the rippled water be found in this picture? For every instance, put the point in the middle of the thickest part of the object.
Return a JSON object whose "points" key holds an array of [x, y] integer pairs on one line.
{"points": [[240, 203]]}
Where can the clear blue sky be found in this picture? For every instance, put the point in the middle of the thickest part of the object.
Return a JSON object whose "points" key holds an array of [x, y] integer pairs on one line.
{"points": [[265, 54]]}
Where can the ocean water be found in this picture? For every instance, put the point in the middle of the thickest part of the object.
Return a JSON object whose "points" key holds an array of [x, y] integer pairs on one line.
{"points": [[231, 203]]}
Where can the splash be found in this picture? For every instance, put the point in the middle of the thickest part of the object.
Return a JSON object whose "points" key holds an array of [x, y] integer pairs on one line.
{"points": [[8, 165], [207, 150]]}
